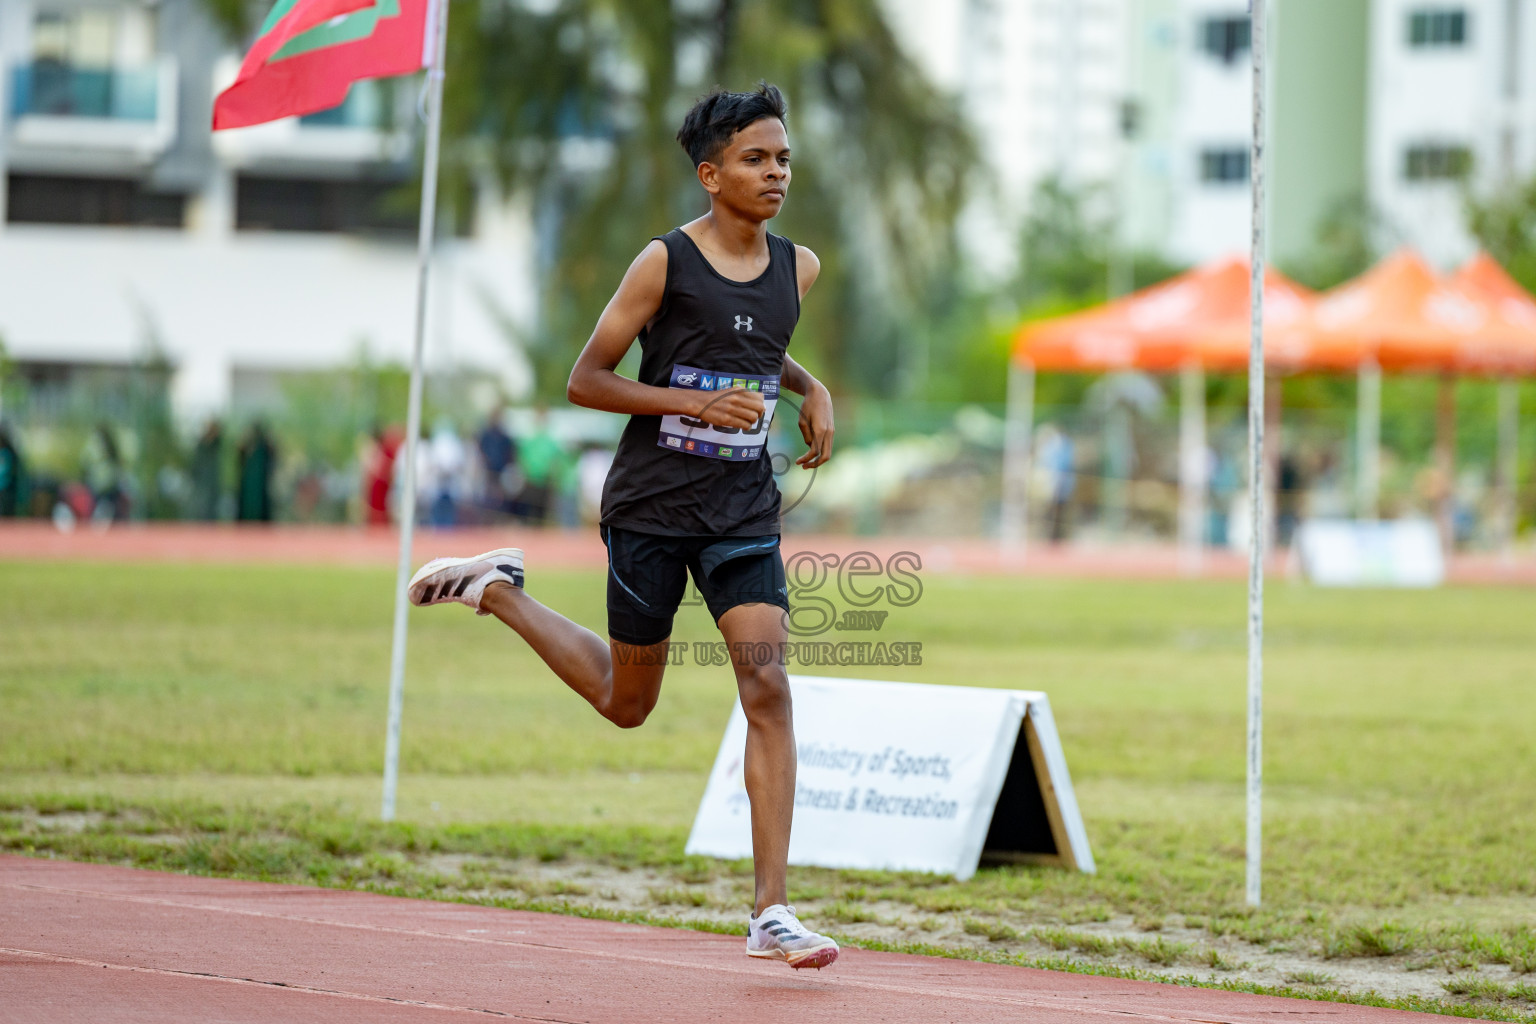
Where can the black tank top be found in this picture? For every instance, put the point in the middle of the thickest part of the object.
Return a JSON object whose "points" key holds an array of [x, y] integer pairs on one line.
{"points": [[680, 477]]}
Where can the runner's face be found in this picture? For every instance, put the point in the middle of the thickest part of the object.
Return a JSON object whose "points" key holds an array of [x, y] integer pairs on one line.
{"points": [[753, 173]]}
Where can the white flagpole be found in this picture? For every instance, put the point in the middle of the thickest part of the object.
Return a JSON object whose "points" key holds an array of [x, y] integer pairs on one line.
{"points": [[1258, 532], [1018, 422], [433, 57]]}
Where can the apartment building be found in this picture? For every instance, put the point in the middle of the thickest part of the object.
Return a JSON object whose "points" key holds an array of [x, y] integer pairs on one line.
{"points": [[1043, 82], [1453, 108], [1198, 88], [129, 232], [1403, 107], [1153, 97]]}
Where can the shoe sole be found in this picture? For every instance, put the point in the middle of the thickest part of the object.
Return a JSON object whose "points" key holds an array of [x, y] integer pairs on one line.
{"points": [[437, 565], [817, 958]]}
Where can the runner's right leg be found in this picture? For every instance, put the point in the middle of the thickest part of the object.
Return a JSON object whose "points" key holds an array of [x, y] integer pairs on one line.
{"points": [[621, 681]]}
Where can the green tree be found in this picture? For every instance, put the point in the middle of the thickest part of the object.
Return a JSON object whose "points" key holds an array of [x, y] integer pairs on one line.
{"points": [[1065, 251], [572, 106], [1345, 246], [1504, 223], [577, 107]]}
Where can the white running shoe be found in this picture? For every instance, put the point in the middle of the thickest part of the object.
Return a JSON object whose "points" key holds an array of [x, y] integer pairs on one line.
{"points": [[776, 934], [464, 579]]}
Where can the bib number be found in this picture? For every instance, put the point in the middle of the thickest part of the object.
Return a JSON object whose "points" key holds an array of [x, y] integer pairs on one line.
{"points": [[698, 437]]}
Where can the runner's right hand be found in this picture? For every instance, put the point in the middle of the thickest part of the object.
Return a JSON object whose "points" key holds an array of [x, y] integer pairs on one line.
{"points": [[735, 407]]}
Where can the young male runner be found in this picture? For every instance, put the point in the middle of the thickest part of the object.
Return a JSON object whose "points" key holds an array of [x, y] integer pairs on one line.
{"points": [[691, 490]]}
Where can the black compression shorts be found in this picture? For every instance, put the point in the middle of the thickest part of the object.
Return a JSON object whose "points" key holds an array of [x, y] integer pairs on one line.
{"points": [[648, 574]]}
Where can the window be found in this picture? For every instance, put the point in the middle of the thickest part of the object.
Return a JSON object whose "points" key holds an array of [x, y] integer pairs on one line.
{"points": [[1131, 117], [1431, 162], [1226, 39], [1224, 166], [90, 62], [1437, 27], [40, 199], [363, 108], [298, 204]]}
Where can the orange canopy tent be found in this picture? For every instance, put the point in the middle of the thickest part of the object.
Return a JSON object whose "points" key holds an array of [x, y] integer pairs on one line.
{"points": [[1400, 316], [1483, 277], [1196, 321], [1201, 316], [1405, 318], [1513, 316]]}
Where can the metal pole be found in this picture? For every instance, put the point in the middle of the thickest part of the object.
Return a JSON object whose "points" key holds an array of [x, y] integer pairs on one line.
{"points": [[12, 27], [1258, 532], [1121, 263], [1017, 439], [1509, 461], [1445, 461], [1368, 441], [1192, 467], [1117, 468], [437, 29]]}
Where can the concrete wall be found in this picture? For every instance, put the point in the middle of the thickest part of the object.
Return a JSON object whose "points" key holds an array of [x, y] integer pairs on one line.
{"points": [[1318, 117], [215, 300], [1444, 95]]}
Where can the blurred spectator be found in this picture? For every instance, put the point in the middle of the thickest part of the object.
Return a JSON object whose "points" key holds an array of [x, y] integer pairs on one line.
{"points": [[498, 463], [258, 458], [13, 477], [444, 462], [207, 472], [102, 463], [1225, 477], [591, 474], [1059, 459], [75, 503], [1326, 498], [378, 460], [539, 455], [308, 490], [1291, 489]]}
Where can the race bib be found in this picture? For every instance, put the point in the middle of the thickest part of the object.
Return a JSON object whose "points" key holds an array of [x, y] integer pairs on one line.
{"points": [[699, 437]]}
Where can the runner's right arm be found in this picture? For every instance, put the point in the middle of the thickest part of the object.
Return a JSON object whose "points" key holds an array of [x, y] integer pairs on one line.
{"points": [[594, 384]]}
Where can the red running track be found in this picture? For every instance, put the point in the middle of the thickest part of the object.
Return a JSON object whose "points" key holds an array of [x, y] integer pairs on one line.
{"points": [[86, 942], [29, 540]]}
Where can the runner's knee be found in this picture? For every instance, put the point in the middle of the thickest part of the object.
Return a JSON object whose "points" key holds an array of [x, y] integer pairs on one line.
{"points": [[629, 715], [764, 692], [633, 692]]}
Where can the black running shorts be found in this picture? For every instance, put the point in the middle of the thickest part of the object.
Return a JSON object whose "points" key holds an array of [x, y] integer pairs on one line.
{"points": [[647, 577]]}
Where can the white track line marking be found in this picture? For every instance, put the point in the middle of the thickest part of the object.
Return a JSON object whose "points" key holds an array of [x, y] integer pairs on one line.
{"points": [[278, 986], [1062, 1003]]}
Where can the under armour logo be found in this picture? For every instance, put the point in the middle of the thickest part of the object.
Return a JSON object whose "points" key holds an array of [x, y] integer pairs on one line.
{"points": [[743, 323]]}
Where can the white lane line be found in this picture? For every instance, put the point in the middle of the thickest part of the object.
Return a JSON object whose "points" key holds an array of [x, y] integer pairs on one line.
{"points": [[280, 986], [1001, 999]]}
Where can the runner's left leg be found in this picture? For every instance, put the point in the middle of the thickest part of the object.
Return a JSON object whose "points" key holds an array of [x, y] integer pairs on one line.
{"points": [[621, 681], [755, 635]]}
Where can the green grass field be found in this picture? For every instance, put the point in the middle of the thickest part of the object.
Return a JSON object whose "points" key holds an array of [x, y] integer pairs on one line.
{"points": [[244, 707]]}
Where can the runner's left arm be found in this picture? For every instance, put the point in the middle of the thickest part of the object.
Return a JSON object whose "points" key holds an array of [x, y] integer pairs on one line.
{"points": [[594, 384], [816, 412]]}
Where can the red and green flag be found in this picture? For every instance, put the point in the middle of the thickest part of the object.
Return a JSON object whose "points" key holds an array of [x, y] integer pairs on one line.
{"points": [[309, 52]]}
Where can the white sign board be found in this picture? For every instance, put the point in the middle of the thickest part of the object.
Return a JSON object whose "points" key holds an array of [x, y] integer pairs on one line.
{"points": [[1347, 553], [908, 777]]}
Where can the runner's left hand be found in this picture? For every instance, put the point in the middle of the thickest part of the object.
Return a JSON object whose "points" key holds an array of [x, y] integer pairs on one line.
{"points": [[816, 427]]}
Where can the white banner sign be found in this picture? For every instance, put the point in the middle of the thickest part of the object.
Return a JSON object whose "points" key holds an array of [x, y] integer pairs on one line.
{"points": [[904, 776], [1396, 553]]}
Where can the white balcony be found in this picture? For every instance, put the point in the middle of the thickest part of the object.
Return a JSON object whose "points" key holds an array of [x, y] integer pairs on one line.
{"points": [[356, 132], [83, 116], [278, 302]]}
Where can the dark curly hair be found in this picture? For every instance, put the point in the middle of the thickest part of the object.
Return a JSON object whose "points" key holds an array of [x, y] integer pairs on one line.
{"points": [[708, 128]]}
